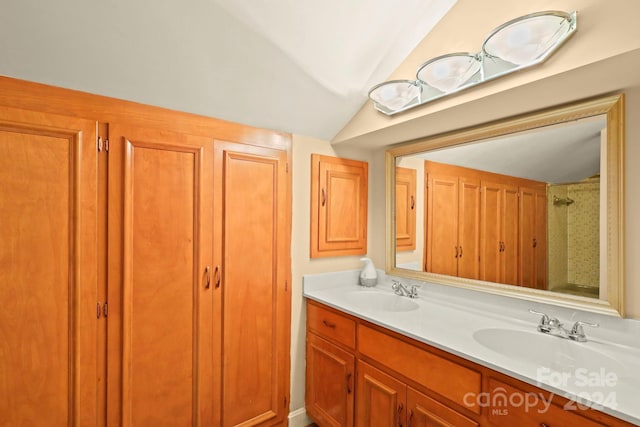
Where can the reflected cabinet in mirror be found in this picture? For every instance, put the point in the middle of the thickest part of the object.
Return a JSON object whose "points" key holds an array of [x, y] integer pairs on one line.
{"points": [[530, 206]]}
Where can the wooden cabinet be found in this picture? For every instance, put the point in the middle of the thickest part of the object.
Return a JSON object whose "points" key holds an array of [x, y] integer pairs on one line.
{"points": [[403, 382], [339, 198], [453, 224], [330, 368], [144, 265], [499, 233], [486, 226], [48, 277], [532, 238], [406, 204]]}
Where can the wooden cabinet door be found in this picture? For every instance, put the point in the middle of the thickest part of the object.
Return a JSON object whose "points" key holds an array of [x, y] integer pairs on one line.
{"points": [[499, 233], [406, 204], [527, 216], [491, 232], [329, 383], [533, 238], [161, 305], [509, 231], [380, 398], [251, 242], [541, 240], [469, 228], [339, 198], [48, 274], [442, 224], [424, 411]]}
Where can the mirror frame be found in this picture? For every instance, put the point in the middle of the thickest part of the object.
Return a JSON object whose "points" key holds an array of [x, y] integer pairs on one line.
{"points": [[613, 107]]}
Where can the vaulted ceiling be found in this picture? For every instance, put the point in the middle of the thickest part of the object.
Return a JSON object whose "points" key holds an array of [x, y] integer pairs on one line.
{"points": [[297, 66]]}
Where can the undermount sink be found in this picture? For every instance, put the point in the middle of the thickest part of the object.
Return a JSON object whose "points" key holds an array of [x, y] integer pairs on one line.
{"points": [[547, 351], [380, 301]]}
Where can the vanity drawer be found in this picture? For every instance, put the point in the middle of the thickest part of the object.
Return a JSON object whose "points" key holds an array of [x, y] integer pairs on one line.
{"points": [[447, 378], [331, 325], [510, 406]]}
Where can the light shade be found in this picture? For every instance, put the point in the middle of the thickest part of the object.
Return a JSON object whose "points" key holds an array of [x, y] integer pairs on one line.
{"points": [[395, 94], [528, 39], [448, 72]]}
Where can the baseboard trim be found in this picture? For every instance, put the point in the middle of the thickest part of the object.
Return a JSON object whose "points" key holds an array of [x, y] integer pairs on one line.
{"points": [[298, 418]]}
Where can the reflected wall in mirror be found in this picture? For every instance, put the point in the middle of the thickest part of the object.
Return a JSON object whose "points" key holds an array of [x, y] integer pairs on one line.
{"points": [[529, 206]]}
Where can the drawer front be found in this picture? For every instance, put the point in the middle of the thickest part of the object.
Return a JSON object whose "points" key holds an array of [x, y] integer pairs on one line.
{"points": [[509, 406], [331, 325], [447, 378], [427, 412]]}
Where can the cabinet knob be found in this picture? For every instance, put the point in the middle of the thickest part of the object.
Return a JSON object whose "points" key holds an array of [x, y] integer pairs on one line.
{"points": [[399, 416]]}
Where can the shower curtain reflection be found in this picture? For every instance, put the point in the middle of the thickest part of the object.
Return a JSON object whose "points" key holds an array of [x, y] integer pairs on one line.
{"points": [[575, 243]]}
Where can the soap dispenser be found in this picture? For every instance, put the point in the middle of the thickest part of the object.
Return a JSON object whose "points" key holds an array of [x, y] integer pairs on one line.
{"points": [[368, 275]]}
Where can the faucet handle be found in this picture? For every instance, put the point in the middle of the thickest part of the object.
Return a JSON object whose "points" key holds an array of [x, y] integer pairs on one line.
{"points": [[547, 323], [545, 317], [577, 327]]}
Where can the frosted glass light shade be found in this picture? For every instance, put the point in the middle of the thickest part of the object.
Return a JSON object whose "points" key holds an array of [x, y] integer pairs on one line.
{"points": [[395, 94], [448, 72], [527, 39]]}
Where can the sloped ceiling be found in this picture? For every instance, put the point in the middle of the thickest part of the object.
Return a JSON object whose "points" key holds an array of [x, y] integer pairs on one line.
{"points": [[290, 65]]}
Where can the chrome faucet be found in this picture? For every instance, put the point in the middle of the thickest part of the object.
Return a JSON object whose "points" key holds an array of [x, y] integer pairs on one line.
{"points": [[400, 289], [552, 326]]}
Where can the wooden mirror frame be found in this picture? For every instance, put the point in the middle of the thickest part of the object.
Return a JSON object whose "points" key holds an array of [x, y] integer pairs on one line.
{"points": [[613, 107]]}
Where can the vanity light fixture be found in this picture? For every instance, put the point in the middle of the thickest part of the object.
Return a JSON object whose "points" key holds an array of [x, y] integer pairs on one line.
{"points": [[520, 43]]}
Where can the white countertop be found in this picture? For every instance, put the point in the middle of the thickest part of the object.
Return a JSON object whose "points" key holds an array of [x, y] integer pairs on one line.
{"points": [[603, 373]]}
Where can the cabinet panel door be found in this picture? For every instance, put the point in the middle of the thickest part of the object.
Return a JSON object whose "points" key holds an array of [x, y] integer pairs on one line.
{"points": [[251, 251], [541, 240], [527, 221], [510, 227], [442, 224], [406, 205], [490, 232], [469, 229], [339, 198], [329, 383], [164, 303], [380, 398], [48, 279]]}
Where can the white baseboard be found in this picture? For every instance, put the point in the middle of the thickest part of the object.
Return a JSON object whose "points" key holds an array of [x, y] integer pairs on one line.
{"points": [[298, 418]]}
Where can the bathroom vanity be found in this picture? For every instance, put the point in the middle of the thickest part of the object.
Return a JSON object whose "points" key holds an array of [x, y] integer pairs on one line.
{"points": [[443, 359]]}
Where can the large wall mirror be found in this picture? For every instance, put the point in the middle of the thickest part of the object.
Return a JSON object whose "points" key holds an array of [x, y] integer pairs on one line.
{"points": [[530, 207]]}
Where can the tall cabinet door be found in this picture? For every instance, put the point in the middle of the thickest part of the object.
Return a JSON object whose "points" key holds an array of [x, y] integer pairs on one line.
{"points": [[160, 298], [469, 228], [442, 224], [510, 227], [491, 232], [48, 275], [251, 262]]}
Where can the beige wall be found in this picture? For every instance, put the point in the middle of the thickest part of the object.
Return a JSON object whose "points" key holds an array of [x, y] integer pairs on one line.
{"points": [[301, 264]]}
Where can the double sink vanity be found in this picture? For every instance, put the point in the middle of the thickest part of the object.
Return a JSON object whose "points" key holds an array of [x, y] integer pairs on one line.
{"points": [[455, 357]]}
